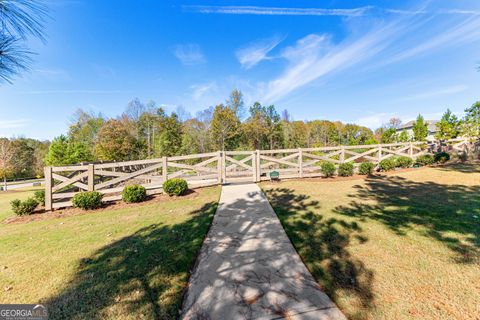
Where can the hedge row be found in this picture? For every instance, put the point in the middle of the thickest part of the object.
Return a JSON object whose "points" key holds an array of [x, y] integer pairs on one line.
{"points": [[328, 169], [91, 200], [346, 169]]}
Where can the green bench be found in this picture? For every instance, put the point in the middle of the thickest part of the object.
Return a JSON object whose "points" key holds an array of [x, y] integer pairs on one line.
{"points": [[274, 175]]}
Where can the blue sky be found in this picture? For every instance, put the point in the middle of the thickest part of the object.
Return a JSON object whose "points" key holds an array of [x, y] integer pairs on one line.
{"points": [[354, 61]]}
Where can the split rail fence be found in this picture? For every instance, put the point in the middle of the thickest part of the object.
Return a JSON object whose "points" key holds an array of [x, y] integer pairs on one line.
{"points": [[63, 182]]}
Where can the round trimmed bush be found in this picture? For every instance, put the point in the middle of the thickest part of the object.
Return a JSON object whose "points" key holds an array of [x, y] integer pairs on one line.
{"points": [[328, 169], [366, 168], [387, 164], [345, 169], [441, 157], [425, 160], [25, 207], [88, 200], [403, 162], [134, 193], [39, 195], [175, 187]]}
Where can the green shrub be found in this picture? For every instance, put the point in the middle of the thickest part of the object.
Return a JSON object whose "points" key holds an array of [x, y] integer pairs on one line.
{"points": [[328, 169], [403, 162], [39, 195], [425, 160], [134, 193], [366, 168], [87, 200], [387, 164], [175, 187], [22, 208], [345, 169], [441, 157]]}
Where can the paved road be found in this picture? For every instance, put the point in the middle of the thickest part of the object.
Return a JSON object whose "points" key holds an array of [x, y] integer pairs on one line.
{"points": [[248, 269]]}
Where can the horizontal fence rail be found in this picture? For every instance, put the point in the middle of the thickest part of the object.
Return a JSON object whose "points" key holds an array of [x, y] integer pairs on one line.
{"points": [[63, 182]]}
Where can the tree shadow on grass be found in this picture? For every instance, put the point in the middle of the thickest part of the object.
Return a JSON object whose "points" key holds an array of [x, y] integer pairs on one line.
{"points": [[436, 210], [322, 243], [461, 167], [142, 275]]}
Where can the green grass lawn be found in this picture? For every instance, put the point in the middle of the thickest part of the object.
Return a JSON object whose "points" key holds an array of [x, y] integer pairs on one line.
{"points": [[120, 263], [402, 246], [7, 196]]}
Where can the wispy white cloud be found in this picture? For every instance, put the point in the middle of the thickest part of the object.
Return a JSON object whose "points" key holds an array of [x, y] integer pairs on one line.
{"points": [[17, 123], [189, 54], [73, 91], [257, 10], [406, 12], [434, 93], [315, 57], [464, 32], [459, 11], [200, 90], [343, 12], [257, 51]]}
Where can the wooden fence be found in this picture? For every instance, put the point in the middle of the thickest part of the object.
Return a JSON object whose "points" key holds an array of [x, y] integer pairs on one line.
{"points": [[62, 183]]}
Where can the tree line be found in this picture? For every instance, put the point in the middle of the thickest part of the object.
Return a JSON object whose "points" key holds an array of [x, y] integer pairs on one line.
{"points": [[145, 130]]}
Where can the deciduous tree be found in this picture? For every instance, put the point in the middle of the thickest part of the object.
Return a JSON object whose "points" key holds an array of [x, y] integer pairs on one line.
{"points": [[63, 151], [6, 159], [224, 128], [236, 103], [84, 128], [170, 140], [116, 142]]}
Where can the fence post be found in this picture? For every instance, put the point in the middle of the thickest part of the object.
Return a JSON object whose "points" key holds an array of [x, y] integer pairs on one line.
{"points": [[164, 169], [257, 165], [342, 154], [219, 167], [300, 162], [410, 150], [224, 167], [48, 188], [91, 174], [379, 153], [254, 166]]}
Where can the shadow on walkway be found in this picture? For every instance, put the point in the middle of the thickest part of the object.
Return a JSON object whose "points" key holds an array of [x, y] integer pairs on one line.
{"points": [[139, 276], [322, 243], [248, 268]]}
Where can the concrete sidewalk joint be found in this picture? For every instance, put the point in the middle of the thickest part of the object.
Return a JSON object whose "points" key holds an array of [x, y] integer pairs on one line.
{"points": [[248, 269]]}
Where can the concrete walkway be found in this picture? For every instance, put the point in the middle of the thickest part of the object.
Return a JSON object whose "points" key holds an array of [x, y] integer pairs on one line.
{"points": [[248, 269]]}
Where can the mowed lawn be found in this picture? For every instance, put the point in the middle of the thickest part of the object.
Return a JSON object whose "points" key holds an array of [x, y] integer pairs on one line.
{"points": [[6, 197], [401, 246], [122, 263]]}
